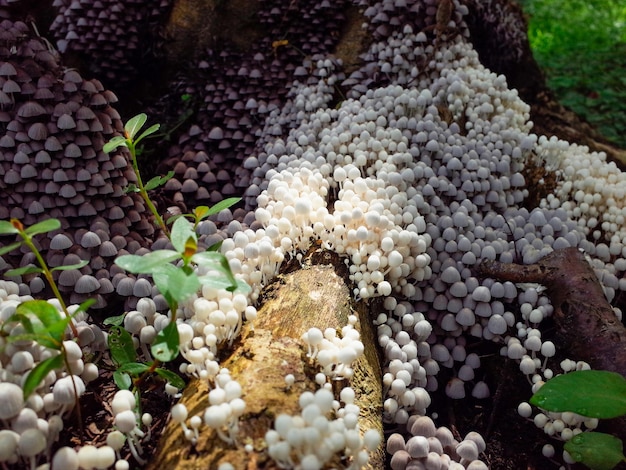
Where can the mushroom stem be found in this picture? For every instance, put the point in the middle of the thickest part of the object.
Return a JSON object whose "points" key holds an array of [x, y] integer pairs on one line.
{"points": [[133, 450]]}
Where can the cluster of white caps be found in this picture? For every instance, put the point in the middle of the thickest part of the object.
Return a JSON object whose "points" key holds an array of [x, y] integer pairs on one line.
{"points": [[334, 353], [327, 428], [414, 183], [592, 191], [533, 355], [31, 427]]}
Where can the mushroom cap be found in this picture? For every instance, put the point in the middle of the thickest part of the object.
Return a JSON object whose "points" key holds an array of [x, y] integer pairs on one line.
{"points": [[12, 400], [60, 242], [8, 444], [32, 442], [86, 284], [63, 389], [65, 458]]}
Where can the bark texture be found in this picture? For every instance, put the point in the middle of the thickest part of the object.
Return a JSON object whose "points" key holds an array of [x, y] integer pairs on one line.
{"points": [[314, 295], [587, 325]]}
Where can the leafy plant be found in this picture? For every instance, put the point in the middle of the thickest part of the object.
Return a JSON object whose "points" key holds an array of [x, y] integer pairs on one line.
{"points": [[43, 323], [202, 212], [130, 372], [580, 45], [128, 140], [176, 283], [179, 283], [591, 393], [40, 321], [15, 227]]}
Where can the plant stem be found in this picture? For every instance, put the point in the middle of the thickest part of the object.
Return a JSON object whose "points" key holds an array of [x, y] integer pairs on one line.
{"points": [[142, 189], [48, 274], [142, 378]]}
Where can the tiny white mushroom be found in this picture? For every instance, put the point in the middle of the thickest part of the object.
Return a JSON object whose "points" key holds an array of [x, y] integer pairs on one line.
{"points": [[65, 458], [12, 400]]}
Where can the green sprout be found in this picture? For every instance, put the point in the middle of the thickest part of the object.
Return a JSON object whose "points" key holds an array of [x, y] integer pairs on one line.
{"points": [[128, 140], [595, 394], [176, 283], [15, 227], [174, 272], [38, 320]]}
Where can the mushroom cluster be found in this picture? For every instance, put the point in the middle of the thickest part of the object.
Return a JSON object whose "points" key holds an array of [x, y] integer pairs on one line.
{"points": [[54, 125], [32, 426], [334, 354], [109, 36], [325, 428], [238, 90], [430, 447], [415, 177]]}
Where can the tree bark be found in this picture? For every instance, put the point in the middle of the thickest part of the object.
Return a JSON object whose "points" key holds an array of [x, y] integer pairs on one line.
{"points": [[313, 295]]}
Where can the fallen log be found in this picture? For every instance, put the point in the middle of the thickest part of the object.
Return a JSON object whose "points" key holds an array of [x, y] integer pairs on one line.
{"points": [[314, 295]]}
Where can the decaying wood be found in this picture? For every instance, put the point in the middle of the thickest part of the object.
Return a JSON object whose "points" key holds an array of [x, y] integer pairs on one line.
{"points": [[311, 296], [587, 325]]}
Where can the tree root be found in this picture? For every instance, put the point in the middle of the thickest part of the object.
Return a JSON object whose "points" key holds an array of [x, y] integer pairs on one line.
{"points": [[586, 323]]}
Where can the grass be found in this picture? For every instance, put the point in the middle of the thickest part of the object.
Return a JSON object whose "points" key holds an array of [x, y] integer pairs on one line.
{"points": [[581, 46]]}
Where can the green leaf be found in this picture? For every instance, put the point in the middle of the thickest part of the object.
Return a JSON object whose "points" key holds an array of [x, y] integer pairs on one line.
{"points": [[217, 262], [114, 143], [171, 377], [131, 188], [122, 380], [150, 130], [78, 265], [8, 248], [116, 320], [175, 284], [44, 321], [201, 212], [23, 270], [165, 346], [593, 393], [41, 309], [39, 372], [174, 218], [134, 124], [6, 228], [158, 181], [217, 246], [121, 346], [133, 368], [147, 263], [596, 450], [44, 226], [220, 282], [225, 204], [182, 230], [84, 306]]}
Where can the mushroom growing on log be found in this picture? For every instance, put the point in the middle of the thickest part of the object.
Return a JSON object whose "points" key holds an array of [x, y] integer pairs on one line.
{"points": [[313, 295]]}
